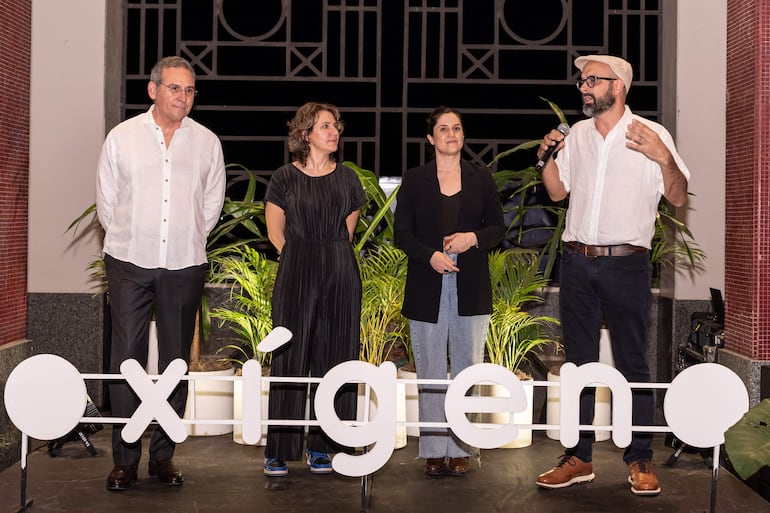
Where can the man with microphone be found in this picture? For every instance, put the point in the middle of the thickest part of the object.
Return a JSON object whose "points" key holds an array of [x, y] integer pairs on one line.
{"points": [[615, 166]]}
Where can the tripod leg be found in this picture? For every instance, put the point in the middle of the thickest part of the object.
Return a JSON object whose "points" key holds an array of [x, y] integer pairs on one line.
{"points": [[707, 458], [675, 455], [54, 447], [714, 476], [87, 443]]}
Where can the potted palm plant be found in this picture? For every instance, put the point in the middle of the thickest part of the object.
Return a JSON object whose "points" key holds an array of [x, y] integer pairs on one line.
{"points": [[515, 335], [247, 314], [383, 328], [384, 331]]}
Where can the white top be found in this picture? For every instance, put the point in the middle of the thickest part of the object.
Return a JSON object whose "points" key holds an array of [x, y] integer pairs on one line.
{"points": [[157, 205], [613, 191]]}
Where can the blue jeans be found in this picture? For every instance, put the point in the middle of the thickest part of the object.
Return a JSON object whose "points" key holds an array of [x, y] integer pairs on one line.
{"points": [[616, 289], [460, 339]]}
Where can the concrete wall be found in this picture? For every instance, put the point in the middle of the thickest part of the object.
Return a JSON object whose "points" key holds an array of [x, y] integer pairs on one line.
{"points": [[701, 85], [66, 133]]}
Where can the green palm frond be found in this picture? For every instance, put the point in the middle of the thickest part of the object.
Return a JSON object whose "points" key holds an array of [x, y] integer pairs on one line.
{"points": [[383, 278], [673, 241], [375, 225], [515, 276], [513, 332], [252, 278]]}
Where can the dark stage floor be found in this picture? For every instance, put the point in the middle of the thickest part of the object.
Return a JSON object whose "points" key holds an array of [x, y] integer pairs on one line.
{"points": [[222, 476]]}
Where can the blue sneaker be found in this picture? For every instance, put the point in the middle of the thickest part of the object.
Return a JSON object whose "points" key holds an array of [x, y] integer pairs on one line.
{"points": [[275, 468], [319, 462]]}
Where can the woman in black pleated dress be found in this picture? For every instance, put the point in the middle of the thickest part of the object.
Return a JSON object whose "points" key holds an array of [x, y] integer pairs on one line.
{"points": [[312, 206]]}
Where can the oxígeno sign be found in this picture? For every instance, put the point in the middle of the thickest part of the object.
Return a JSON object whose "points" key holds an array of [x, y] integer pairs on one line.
{"points": [[45, 398]]}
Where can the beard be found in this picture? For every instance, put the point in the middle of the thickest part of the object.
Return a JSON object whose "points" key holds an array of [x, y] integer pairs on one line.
{"points": [[599, 105]]}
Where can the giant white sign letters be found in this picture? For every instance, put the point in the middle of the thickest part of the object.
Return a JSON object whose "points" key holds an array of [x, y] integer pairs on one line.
{"points": [[45, 398]]}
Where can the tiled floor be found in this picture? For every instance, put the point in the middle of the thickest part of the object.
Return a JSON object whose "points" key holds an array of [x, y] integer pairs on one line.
{"points": [[222, 476]]}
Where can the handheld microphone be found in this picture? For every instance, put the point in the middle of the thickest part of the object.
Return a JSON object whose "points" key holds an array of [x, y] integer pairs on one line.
{"points": [[564, 129]]}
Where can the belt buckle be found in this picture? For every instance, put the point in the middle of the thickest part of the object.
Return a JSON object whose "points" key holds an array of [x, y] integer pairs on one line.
{"points": [[584, 249]]}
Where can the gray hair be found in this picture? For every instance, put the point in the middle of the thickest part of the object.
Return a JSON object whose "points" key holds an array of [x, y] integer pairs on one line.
{"points": [[156, 74]]}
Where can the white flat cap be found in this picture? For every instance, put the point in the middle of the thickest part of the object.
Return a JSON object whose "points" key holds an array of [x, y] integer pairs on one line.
{"points": [[619, 66]]}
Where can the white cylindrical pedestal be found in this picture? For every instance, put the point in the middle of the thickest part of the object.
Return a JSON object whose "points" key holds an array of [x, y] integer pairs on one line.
{"points": [[412, 405], [213, 400], [552, 402]]}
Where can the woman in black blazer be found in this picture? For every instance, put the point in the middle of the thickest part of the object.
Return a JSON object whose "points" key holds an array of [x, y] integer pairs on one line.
{"points": [[448, 217]]}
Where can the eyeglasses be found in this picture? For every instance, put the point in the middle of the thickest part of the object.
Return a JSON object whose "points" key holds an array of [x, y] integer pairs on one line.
{"points": [[176, 89], [590, 81]]}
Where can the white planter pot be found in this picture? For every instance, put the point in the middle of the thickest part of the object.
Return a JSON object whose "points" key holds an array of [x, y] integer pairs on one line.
{"points": [[238, 412], [412, 404], [213, 400], [523, 417], [361, 410]]}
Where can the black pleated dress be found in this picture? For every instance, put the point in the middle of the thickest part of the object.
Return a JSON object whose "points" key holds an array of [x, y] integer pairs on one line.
{"points": [[317, 296]]}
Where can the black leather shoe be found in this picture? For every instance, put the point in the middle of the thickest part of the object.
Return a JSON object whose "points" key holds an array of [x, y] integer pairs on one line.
{"points": [[165, 470], [121, 477]]}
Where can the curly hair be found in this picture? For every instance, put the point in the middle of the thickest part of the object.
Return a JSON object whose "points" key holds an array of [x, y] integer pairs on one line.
{"points": [[302, 124]]}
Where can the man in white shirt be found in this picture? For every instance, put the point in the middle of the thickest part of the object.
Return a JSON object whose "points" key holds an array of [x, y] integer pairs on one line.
{"points": [[615, 166], [160, 191]]}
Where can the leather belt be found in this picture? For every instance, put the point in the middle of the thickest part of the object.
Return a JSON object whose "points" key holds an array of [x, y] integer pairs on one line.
{"points": [[597, 251]]}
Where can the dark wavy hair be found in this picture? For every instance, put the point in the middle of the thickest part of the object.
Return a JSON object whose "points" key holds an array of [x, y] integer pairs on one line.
{"points": [[437, 113], [302, 124]]}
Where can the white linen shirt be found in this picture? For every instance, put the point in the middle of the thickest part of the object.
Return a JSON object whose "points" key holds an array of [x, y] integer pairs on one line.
{"points": [[613, 191], [157, 205]]}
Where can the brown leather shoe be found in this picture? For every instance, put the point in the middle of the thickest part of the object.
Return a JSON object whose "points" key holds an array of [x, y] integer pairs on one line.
{"points": [[121, 478], [570, 470], [458, 466], [642, 477], [165, 470], [435, 467]]}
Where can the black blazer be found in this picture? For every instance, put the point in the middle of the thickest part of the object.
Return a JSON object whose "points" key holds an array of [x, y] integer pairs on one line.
{"points": [[418, 233]]}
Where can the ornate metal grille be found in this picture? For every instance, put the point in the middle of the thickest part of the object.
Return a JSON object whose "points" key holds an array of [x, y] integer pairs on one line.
{"points": [[386, 64]]}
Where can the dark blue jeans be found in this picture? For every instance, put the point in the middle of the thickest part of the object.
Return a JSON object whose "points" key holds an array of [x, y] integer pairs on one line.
{"points": [[617, 290]]}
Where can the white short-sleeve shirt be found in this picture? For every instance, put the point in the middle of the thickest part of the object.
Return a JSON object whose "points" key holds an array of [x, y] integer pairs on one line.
{"points": [[613, 191]]}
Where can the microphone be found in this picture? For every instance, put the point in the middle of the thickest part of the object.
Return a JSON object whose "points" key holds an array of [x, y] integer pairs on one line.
{"points": [[564, 129]]}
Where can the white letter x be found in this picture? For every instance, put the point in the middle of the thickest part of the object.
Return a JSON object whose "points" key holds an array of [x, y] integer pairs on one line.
{"points": [[154, 403]]}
